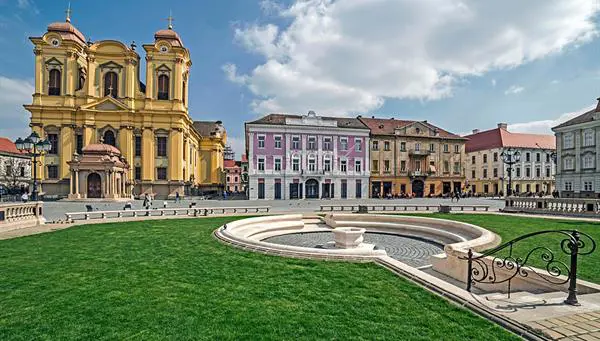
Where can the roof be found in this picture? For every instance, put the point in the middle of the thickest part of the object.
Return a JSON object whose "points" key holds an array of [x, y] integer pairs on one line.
{"points": [[280, 119], [171, 36], [583, 118], [209, 128], [100, 148], [501, 138], [388, 126], [67, 31], [244, 158], [229, 163], [8, 146]]}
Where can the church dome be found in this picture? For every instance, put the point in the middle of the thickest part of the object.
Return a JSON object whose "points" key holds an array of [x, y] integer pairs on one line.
{"points": [[169, 35], [100, 148], [67, 31]]}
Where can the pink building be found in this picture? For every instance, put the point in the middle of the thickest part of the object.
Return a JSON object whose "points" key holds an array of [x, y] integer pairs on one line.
{"points": [[233, 176], [297, 157]]}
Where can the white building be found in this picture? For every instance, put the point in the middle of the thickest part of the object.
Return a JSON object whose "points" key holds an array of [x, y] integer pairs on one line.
{"points": [[578, 150], [307, 157]]}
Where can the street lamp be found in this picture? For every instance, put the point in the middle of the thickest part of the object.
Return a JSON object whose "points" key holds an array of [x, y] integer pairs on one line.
{"points": [[34, 147], [510, 157]]}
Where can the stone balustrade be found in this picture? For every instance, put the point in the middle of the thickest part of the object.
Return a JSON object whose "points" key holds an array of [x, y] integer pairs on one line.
{"points": [[562, 206], [21, 215], [164, 212], [401, 207]]}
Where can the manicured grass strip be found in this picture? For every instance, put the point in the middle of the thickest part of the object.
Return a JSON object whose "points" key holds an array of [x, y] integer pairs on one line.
{"points": [[171, 279], [509, 227]]}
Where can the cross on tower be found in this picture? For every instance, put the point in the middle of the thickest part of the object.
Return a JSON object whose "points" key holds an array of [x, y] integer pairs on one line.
{"points": [[68, 11], [170, 20]]}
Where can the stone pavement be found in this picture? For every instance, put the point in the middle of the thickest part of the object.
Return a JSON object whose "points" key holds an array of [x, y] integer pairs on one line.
{"points": [[585, 326]]}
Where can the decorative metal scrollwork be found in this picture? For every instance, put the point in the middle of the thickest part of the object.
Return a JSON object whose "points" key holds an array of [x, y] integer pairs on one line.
{"points": [[503, 269]]}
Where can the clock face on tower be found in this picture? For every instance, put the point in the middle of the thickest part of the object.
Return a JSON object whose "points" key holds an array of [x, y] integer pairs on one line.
{"points": [[164, 49], [55, 42]]}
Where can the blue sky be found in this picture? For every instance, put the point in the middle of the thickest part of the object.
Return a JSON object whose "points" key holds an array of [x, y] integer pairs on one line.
{"points": [[461, 65]]}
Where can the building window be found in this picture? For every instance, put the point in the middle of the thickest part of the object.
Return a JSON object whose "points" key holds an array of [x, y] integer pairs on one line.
{"points": [[484, 158], [138, 145], [485, 173], [343, 166], [403, 166], [518, 170], [568, 186], [588, 161], [568, 141], [54, 83], [588, 186], [457, 148], [456, 167], [183, 93], [473, 159], [495, 172], [358, 189], [386, 166], [548, 172], [527, 157], [357, 166], [569, 164], [538, 172], [588, 138], [312, 143], [538, 157], [432, 147], [161, 146], [446, 148], [357, 145], [278, 142], [79, 143], [8, 171], [344, 143], [386, 145], [295, 164], [402, 146], [109, 138], [111, 84], [261, 163], [375, 145], [53, 139], [161, 173], [296, 142], [163, 87], [327, 164], [375, 166], [547, 157], [417, 147], [473, 174], [52, 172], [446, 166], [527, 172], [327, 143], [277, 165], [261, 141], [138, 173], [418, 165], [312, 164]]}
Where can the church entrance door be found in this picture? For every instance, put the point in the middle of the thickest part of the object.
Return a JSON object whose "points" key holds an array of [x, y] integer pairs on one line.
{"points": [[94, 183]]}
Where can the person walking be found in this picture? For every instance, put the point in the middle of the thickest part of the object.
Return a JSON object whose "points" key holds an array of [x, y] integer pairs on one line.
{"points": [[25, 197], [177, 197]]}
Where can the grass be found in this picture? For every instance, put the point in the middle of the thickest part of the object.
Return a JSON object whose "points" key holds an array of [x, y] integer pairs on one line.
{"points": [[170, 279], [509, 227]]}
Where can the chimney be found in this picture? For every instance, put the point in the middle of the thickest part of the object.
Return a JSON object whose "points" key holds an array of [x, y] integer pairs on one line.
{"points": [[475, 131], [598, 106], [503, 126]]}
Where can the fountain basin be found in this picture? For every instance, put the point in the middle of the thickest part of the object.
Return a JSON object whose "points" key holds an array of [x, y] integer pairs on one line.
{"points": [[348, 237]]}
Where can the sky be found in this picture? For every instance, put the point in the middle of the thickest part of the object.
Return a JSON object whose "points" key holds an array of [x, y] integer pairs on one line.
{"points": [[460, 64]]}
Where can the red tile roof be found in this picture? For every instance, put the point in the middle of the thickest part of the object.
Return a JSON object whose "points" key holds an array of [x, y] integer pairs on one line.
{"points": [[244, 158], [387, 126], [229, 163], [8, 146], [500, 138]]}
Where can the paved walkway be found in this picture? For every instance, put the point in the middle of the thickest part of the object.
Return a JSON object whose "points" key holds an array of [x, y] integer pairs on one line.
{"points": [[585, 326]]}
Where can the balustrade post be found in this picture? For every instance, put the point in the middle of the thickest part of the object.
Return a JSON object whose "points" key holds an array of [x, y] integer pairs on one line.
{"points": [[574, 246], [469, 269]]}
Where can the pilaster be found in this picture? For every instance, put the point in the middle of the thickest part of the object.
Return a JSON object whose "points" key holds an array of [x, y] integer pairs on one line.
{"points": [[148, 154], [66, 149]]}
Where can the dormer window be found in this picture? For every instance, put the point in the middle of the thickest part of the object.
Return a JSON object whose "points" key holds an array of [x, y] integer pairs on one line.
{"points": [[163, 87], [111, 84], [54, 82]]}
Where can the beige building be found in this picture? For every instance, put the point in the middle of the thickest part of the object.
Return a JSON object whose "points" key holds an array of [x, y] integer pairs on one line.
{"points": [[414, 157], [488, 175]]}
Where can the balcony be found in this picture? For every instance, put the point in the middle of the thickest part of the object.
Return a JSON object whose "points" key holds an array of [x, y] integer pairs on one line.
{"points": [[419, 152], [417, 173]]}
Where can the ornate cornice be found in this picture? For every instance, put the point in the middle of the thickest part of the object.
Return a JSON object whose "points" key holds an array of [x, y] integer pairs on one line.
{"points": [[37, 52], [179, 60], [177, 129], [128, 127]]}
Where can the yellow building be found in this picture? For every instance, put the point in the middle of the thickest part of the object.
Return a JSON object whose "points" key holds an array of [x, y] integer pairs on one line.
{"points": [[414, 158], [90, 92]]}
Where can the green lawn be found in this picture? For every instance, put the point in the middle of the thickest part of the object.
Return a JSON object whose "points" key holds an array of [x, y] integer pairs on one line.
{"points": [[509, 227], [171, 279]]}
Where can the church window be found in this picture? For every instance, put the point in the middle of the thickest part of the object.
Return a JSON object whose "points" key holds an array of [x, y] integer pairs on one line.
{"points": [[109, 138], [53, 139], [111, 84], [138, 173], [52, 172], [82, 77], [161, 146], [138, 145], [163, 87], [54, 84], [79, 143], [161, 173], [183, 94]]}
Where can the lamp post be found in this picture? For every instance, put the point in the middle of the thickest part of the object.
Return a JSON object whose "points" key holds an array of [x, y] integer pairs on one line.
{"points": [[510, 157], [34, 147]]}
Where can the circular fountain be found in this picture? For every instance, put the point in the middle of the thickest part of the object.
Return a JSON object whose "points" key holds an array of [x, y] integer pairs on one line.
{"points": [[348, 237]]}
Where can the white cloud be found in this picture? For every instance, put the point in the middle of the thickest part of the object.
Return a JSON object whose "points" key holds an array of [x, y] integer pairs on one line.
{"points": [[514, 89], [27, 4], [13, 94], [545, 126], [348, 56], [494, 82]]}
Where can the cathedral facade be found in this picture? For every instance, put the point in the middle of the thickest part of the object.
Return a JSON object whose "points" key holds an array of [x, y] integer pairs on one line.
{"points": [[91, 93]]}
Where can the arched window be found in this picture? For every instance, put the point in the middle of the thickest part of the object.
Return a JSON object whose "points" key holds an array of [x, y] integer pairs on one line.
{"points": [[111, 84], [163, 87], [109, 138], [183, 94], [54, 83], [82, 76]]}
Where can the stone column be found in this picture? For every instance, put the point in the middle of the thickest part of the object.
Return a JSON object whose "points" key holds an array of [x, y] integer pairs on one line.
{"points": [[71, 179], [148, 154], [77, 183], [175, 147]]}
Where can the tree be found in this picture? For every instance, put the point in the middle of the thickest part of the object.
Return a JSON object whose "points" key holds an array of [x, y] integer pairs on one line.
{"points": [[16, 172]]}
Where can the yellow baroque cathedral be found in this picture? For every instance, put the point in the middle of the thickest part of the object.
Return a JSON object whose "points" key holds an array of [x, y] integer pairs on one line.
{"points": [[89, 94]]}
